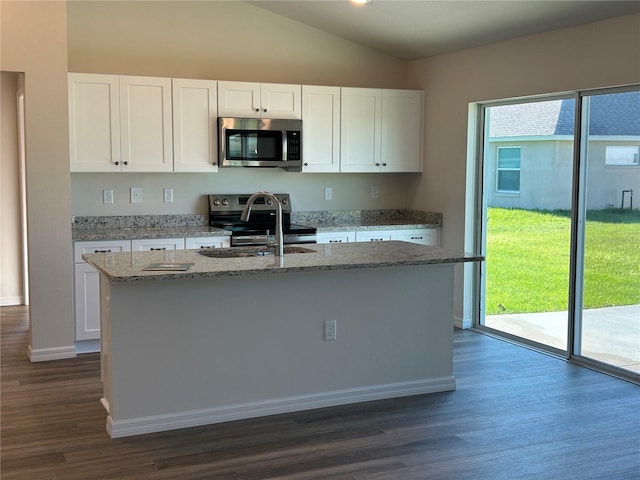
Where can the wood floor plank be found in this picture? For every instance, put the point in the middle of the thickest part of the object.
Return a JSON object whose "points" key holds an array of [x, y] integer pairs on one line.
{"points": [[516, 415]]}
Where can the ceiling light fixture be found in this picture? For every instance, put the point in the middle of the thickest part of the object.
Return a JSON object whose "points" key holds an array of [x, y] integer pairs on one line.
{"points": [[362, 2]]}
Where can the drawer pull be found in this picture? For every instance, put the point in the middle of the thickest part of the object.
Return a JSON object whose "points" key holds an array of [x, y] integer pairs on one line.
{"points": [[159, 248], [377, 239], [102, 251], [416, 238], [335, 241]]}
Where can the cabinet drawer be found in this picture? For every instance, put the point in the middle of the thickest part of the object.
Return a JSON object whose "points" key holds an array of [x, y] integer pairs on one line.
{"points": [[207, 242], [376, 236], [99, 246], [336, 237], [427, 236], [150, 244]]}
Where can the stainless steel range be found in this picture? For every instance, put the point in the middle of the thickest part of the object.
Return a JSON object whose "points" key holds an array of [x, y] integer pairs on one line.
{"points": [[225, 211]]}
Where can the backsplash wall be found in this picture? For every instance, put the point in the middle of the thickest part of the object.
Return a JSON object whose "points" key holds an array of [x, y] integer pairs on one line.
{"points": [[350, 191]]}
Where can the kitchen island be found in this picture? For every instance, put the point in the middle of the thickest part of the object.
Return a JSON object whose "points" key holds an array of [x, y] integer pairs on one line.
{"points": [[235, 338]]}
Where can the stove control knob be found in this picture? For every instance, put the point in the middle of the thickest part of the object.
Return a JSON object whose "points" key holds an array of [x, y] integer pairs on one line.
{"points": [[284, 201], [269, 201], [225, 202], [216, 202]]}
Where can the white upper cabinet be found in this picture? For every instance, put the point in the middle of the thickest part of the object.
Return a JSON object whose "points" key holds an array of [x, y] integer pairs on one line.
{"points": [[361, 112], [320, 129], [402, 130], [145, 122], [256, 100], [381, 130], [195, 132], [94, 123]]}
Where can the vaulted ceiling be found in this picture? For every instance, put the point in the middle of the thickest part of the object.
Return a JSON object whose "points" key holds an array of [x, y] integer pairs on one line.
{"points": [[416, 29]]}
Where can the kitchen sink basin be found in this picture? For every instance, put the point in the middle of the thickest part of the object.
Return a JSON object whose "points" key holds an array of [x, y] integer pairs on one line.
{"points": [[241, 252]]}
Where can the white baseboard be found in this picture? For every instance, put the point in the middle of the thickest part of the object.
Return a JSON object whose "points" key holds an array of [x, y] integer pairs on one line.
{"points": [[172, 421], [87, 346], [462, 323], [11, 301], [47, 354]]}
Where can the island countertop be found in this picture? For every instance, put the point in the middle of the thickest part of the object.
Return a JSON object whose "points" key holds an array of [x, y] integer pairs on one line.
{"points": [[129, 266]]}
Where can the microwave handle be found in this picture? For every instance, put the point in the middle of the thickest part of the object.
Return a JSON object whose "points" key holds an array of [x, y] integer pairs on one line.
{"points": [[284, 145]]}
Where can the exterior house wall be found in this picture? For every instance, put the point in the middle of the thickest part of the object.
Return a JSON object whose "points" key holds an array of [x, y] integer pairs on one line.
{"points": [[546, 172]]}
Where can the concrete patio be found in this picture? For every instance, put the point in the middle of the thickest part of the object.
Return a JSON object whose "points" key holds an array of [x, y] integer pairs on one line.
{"points": [[610, 335]]}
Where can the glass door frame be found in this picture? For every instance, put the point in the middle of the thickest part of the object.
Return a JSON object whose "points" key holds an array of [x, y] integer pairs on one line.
{"points": [[474, 296]]}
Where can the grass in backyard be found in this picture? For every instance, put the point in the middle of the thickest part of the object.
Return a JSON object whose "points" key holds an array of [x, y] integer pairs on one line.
{"points": [[528, 260]]}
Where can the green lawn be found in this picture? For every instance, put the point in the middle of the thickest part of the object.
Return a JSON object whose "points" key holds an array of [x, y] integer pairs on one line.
{"points": [[528, 260]]}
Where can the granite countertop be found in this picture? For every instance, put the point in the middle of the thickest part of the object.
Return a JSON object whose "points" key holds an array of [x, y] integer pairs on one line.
{"points": [[128, 266], [133, 227], [350, 220]]}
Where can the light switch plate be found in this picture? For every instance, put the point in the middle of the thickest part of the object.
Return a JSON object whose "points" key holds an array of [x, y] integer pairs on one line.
{"points": [[107, 196], [168, 195], [328, 193]]}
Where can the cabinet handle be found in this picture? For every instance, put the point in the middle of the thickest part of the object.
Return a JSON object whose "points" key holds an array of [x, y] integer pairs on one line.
{"points": [[126, 163], [306, 164], [384, 164], [117, 163], [416, 238], [377, 164], [335, 241], [102, 251], [159, 248], [264, 110], [377, 239], [215, 164], [257, 110]]}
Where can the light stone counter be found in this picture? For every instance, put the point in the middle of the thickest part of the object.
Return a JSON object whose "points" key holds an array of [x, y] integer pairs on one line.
{"points": [[134, 233], [128, 267], [362, 220]]}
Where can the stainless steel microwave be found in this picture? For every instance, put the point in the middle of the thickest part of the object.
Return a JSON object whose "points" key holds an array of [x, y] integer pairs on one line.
{"points": [[260, 142]]}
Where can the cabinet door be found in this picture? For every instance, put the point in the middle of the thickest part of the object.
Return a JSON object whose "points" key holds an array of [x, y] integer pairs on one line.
{"points": [[87, 302], [320, 129], [336, 237], [94, 123], [239, 99], [375, 235], [402, 131], [280, 101], [192, 243], [145, 122], [150, 244], [195, 132], [423, 236], [360, 130]]}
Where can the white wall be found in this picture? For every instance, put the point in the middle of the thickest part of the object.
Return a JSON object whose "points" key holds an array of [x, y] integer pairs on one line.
{"points": [[10, 238], [34, 41], [589, 56], [224, 41]]}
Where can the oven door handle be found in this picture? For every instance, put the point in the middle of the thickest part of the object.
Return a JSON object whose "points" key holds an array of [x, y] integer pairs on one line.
{"points": [[240, 240]]}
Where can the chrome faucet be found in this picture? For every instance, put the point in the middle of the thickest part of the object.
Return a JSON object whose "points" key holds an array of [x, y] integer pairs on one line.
{"points": [[246, 212]]}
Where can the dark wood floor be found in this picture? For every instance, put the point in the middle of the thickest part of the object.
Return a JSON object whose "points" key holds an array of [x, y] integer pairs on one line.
{"points": [[517, 414]]}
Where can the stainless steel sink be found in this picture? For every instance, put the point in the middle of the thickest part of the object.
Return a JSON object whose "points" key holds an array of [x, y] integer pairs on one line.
{"points": [[241, 252]]}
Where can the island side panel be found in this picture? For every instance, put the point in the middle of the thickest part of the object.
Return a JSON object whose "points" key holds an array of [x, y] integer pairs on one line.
{"points": [[188, 347]]}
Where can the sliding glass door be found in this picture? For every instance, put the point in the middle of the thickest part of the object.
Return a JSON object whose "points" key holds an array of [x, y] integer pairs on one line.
{"points": [[528, 178], [560, 230], [607, 327]]}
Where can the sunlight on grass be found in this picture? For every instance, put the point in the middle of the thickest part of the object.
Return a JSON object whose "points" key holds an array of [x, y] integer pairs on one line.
{"points": [[528, 260]]}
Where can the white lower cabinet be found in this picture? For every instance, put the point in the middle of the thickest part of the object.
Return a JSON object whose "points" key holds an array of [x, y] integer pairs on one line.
{"points": [[424, 236], [192, 243], [151, 244], [87, 286], [336, 237]]}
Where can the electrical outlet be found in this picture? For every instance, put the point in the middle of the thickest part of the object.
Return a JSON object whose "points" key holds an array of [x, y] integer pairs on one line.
{"points": [[168, 195], [330, 327], [328, 193], [374, 191], [107, 196], [136, 194]]}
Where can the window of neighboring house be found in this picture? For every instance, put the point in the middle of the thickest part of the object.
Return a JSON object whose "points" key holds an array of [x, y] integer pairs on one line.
{"points": [[508, 171], [625, 155]]}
